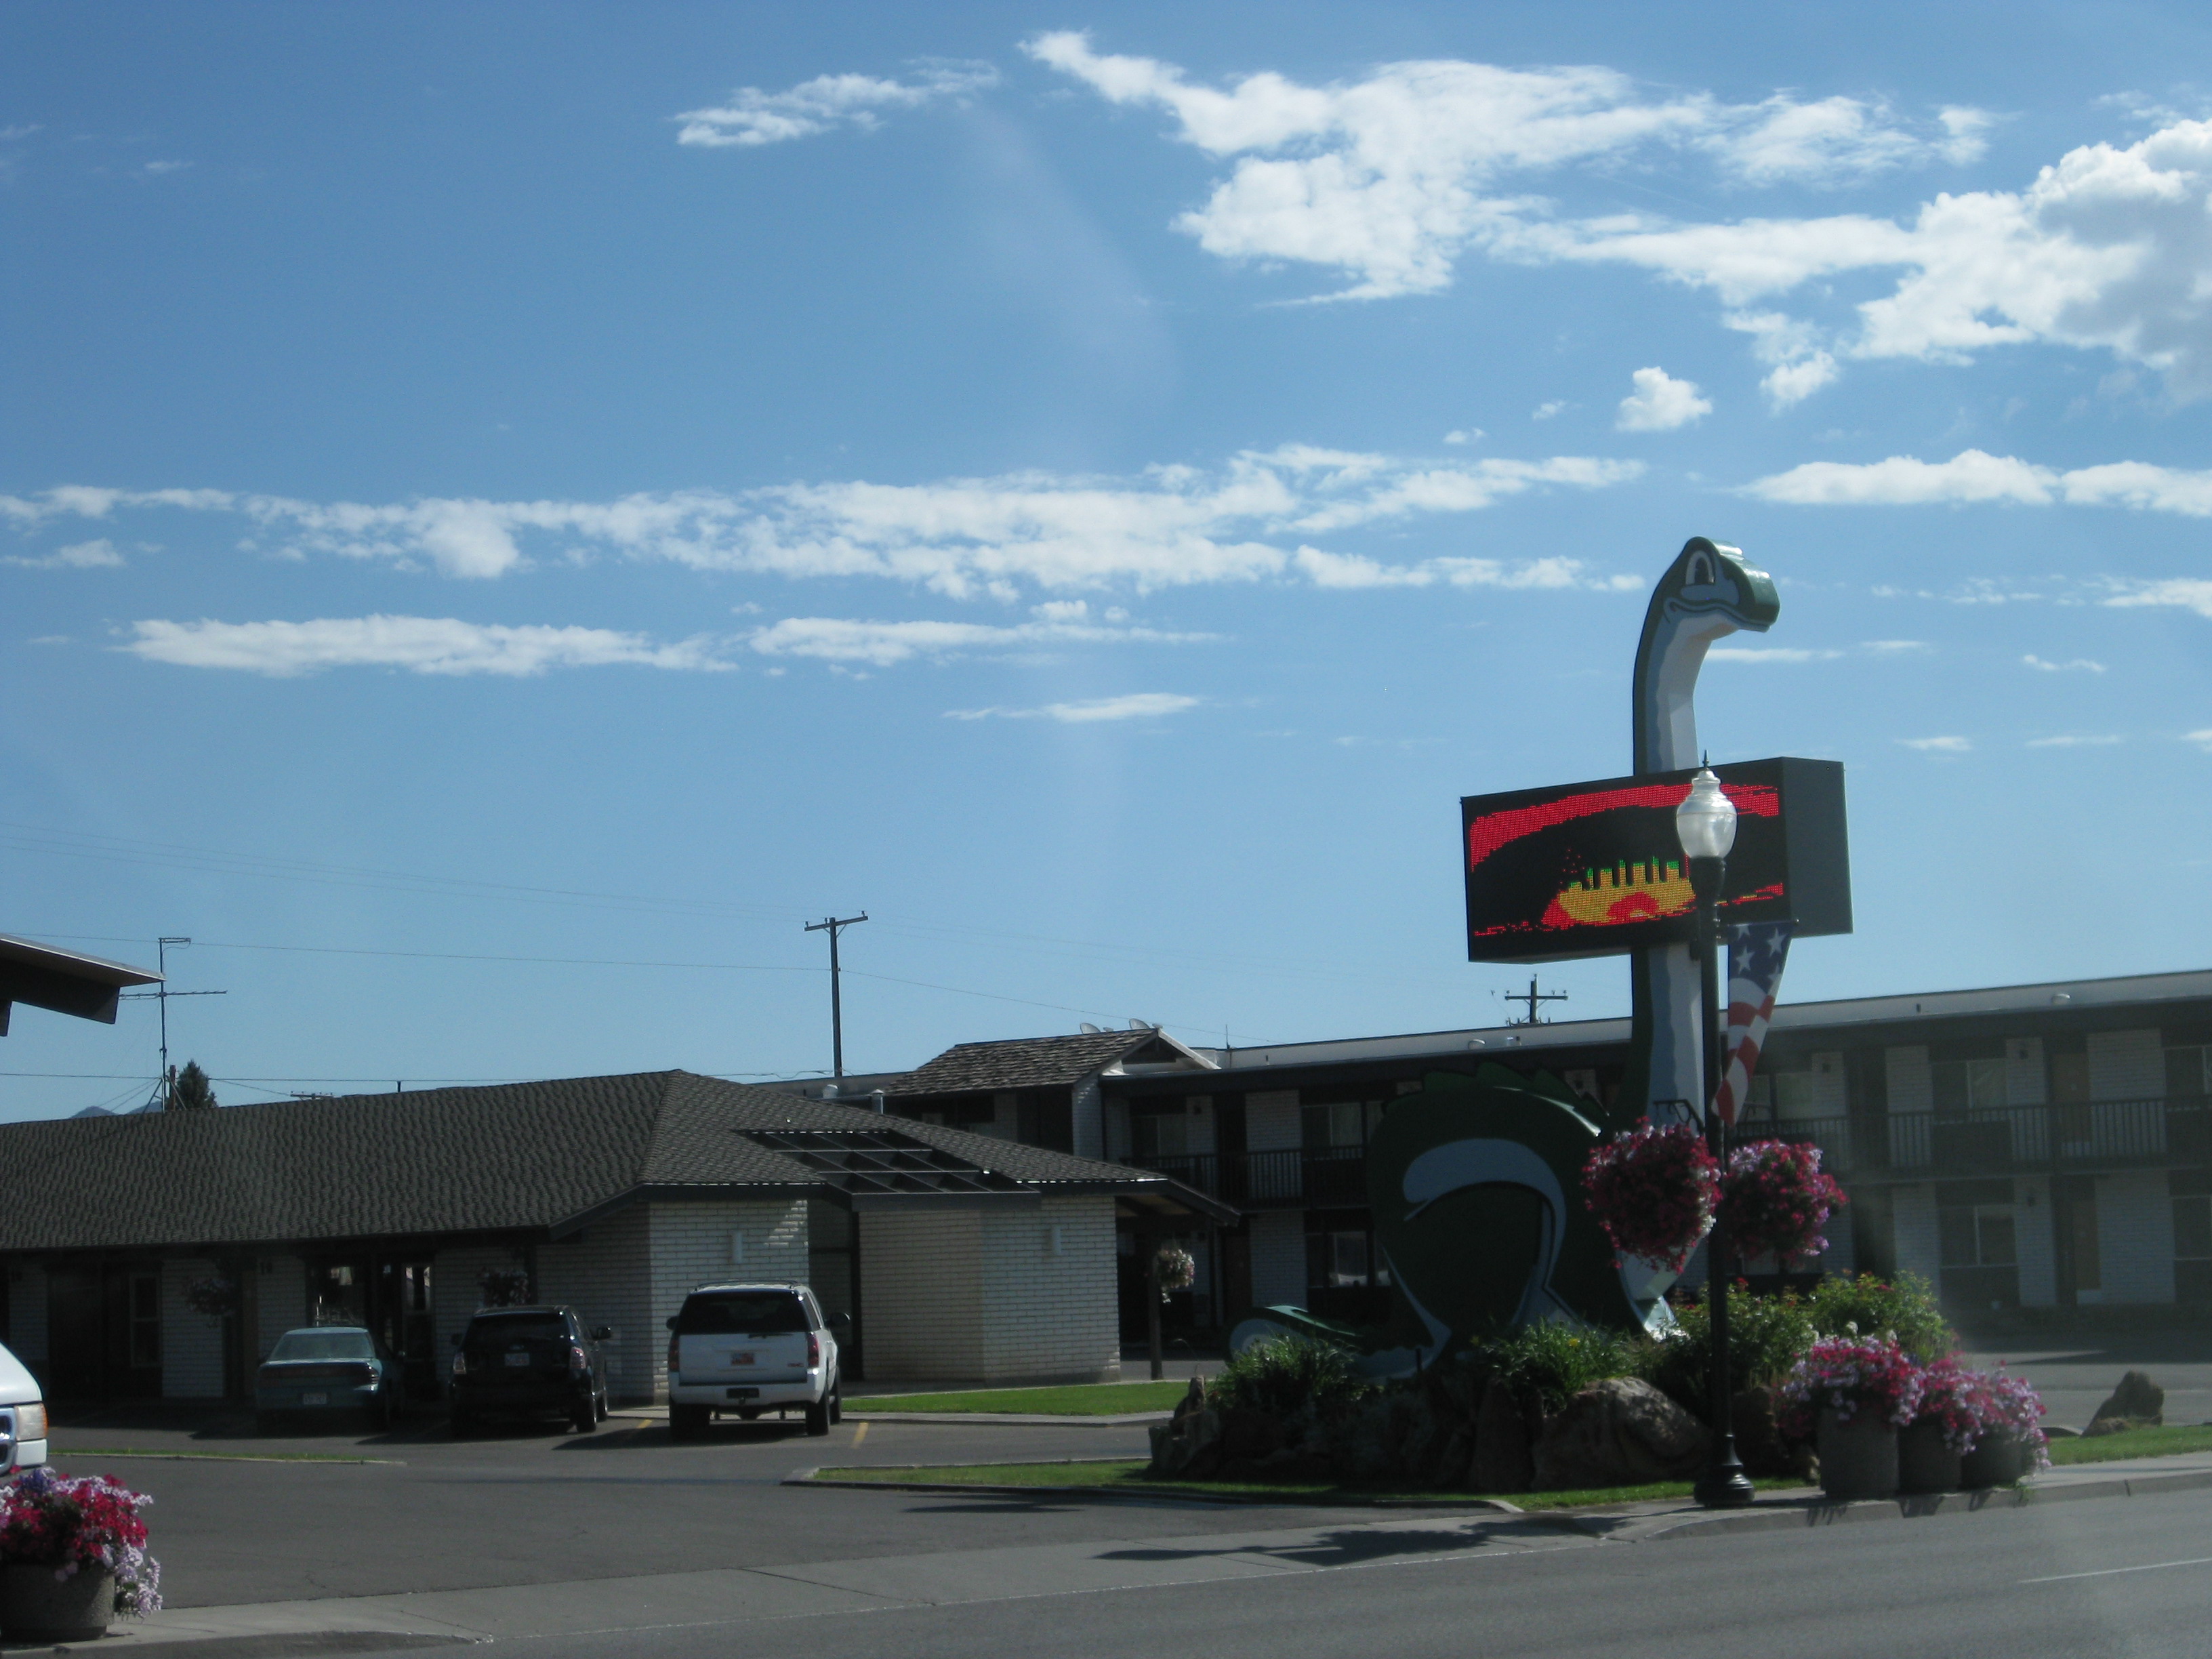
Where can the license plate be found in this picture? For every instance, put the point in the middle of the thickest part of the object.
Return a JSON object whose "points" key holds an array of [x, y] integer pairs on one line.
{"points": [[741, 1394], [518, 1359], [741, 1360], [314, 1400]]}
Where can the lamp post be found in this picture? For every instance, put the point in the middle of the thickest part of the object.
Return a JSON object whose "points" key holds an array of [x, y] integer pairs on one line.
{"points": [[1705, 823]]}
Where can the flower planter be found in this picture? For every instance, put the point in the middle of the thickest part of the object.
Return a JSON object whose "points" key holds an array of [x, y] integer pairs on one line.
{"points": [[36, 1607], [1925, 1461], [1859, 1458], [1995, 1460]]}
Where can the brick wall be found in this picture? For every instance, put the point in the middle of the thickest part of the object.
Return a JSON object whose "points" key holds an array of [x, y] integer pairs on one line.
{"points": [[2126, 1065], [1279, 1255], [921, 1293], [602, 1273], [455, 1294], [2026, 1077], [191, 1343], [2032, 1242], [695, 1244], [1912, 1212], [2134, 1235], [1051, 1315], [1271, 1125], [27, 1315], [280, 1293]]}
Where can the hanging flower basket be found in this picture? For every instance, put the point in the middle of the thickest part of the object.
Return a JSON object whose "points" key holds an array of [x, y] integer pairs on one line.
{"points": [[503, 1287], [1653, 1191], [1177, 1272], [73, 1550], [1778, 1198], [215, 1296]]}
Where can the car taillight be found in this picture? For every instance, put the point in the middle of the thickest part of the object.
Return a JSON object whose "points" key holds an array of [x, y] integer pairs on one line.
{"points": [[576, 1360], [672, 1342], [813, 1351], [460, 1364]]}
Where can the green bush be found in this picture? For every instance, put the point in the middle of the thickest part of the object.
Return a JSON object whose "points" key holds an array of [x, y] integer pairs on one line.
{"points": [[1905, 1305], [1766, 1335], [1286, 1376], [1553, 1363]]}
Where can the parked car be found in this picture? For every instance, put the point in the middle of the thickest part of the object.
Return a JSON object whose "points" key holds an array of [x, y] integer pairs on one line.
{"points": [[328, 1371], [22, 1417], [529, 1361], [752, 1348]]}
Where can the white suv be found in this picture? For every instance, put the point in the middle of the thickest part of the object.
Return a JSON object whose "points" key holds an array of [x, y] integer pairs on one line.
{"points": [[752, 1348], [22, 1417]]}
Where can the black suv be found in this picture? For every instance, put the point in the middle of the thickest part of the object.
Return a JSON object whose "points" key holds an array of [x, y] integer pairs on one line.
{"points": [[528, 1360]]}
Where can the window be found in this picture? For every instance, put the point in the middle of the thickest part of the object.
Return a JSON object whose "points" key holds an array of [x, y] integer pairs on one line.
{"points": [[321, 1345], [1976, 1235], [1159, 1134], [2189, 1072], [2192, 1228], [741, 1313], [1962, 1085], [1339, 1123], [1341, 1258], [145, 1321]]}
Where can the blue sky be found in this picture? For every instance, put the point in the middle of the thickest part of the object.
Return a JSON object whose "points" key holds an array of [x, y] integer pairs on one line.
{"points": [[509, 511]]}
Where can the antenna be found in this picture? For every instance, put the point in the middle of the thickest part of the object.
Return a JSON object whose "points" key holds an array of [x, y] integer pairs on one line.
{"points": [[1536, 999], [165, 1088], [833, 925]]}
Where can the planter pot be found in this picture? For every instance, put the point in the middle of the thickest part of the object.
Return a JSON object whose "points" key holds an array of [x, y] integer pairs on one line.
{"points": [[1925, 1462], [36, 1607], [1994, 1461], [1858, 1459]]}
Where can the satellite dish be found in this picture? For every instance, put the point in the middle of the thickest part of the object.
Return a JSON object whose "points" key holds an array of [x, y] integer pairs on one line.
{"points": [[1138, 1025], [1089, 1029]]}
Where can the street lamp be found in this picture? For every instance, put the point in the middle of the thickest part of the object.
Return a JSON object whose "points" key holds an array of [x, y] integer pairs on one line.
{"points": [[1706, 824]]}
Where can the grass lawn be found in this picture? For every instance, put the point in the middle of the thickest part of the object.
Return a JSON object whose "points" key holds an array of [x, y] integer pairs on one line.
{"points": [[2132, 1443], [1079, 1399], [1128, 1475], [70, 1453]]}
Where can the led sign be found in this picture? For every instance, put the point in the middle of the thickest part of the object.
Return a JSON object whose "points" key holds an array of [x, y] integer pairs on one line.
{"points": [[1590, 869]]}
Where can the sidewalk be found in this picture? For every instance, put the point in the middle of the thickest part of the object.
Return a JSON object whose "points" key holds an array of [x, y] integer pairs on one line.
{"points": [[733, 1596]]}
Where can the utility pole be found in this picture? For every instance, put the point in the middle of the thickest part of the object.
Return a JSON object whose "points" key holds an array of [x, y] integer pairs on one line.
{"points": [[833, 925], [1534, 998], [165, 1089]]}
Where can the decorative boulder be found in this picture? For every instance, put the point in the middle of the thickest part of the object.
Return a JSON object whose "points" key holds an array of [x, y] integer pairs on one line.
{"points": [[1188, 1448], [1620, 1433], [2137, 1398], [1504, 1460]]}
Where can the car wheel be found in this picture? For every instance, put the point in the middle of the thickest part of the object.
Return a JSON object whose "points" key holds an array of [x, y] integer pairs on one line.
{"points": [[817, 1417], [585, 1418], [686, 1422], [837, 1400], [599, 1405]]}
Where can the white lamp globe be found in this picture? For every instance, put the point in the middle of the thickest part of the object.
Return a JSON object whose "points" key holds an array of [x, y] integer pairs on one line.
{"points": [[1705, 821]]}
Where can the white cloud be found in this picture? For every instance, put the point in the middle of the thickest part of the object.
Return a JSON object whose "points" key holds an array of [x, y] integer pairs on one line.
{"points": [[1895, 647], [1173, 526], [1471, 434], [753, 118], [2074, 743], [1544, 411], [1937, 745], [2080, 663], [1132, 706], [155, 169], [1768, 654], [2202, 739], [84, 555], [1389, 179], [1661, 403], [1974, 474], [882, 644], [2188, 592], [424, 645]]}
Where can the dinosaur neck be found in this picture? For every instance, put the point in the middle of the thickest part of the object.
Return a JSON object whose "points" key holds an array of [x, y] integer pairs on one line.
{"points": [[1668, 660]]}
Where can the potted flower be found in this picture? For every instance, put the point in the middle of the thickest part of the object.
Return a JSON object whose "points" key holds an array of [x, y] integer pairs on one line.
{"points": [[1778, 1198], [1931, 1448], [503, 1287], [1851, 1395], [72, 1556], [215, 1296], [1653, 1191], [2010, 1442]]}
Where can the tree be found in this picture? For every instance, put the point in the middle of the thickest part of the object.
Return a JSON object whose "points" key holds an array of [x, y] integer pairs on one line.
{"points": [[189, 1090]]}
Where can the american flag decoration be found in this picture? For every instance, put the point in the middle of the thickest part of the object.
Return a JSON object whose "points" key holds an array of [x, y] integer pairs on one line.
{"points": [[1757, 950]]}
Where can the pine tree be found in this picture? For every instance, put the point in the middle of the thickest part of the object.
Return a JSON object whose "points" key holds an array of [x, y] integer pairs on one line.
{"points": [[189, 1090]]}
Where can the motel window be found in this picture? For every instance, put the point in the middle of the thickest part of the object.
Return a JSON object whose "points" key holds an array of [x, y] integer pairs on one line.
{"points": [[1159, 1134], [1339, 1123], [145, 1321], [2192, 1227], [2189, 1072], [1961, 1085], [1343, 1257], [1976, 1235]]}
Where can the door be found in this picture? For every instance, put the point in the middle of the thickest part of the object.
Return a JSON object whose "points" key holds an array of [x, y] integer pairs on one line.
{"points": [[76, 1335]]}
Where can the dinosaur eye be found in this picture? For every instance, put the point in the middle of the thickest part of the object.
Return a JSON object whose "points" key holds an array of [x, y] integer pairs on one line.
{"points": [[1701, 572]]}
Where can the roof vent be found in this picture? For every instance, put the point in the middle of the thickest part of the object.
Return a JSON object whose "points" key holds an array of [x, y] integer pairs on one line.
{"points": [[1089, 1029], [1138, 1025], [830, 1091], [878, 1100]]}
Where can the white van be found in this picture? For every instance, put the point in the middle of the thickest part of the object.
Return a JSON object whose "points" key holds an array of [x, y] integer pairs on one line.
{"points": [[22, 1417]]}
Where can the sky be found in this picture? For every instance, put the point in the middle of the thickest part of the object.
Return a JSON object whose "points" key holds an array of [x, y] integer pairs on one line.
{"points": [[507, 512]]}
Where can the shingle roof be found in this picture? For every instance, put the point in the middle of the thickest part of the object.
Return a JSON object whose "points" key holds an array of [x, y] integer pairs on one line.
{"points": [[1029, 1062], [525, 1156]]}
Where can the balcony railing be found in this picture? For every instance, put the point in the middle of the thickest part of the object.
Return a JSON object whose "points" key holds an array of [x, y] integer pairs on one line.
{"points": [[1991, 1141]]}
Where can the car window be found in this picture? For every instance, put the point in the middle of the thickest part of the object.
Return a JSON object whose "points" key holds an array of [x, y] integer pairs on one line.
{"points": [[323, 1344], [745, 1313], [516, 1327]]}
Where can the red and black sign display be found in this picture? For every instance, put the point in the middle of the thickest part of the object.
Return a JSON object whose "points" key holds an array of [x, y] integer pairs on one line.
{"points": [[1590, 869]]}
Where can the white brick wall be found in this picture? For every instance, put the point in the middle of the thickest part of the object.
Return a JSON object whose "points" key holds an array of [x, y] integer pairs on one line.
{"points": [[191, 1343], [1912, 1212], [1049, 1318], [2134, 1235], [2026, 1077], [2126, 1065], [1279, 1255], [455, 1294], [27, 1314], [691, 1245], [603, 1273], [1271, 1125], [281, 1293], [921, 1293], [2032, 1237]]}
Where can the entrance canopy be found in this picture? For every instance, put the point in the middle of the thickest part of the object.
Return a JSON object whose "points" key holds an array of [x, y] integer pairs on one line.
{"points": [[61, 981]]}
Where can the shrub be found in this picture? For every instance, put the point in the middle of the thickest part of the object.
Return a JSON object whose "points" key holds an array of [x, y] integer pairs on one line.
{"points": [[1286, 1376], [1766, 1335], [1553, 1363], [1867, 1306]]}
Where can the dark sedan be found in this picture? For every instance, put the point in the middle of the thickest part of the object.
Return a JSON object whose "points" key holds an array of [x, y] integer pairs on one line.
{"points": [[327, 1370]]}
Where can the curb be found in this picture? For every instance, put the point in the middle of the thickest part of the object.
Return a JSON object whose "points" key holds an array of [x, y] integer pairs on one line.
{"points": [[813, 1477], [1799, 1514], [1119, 1420]]}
